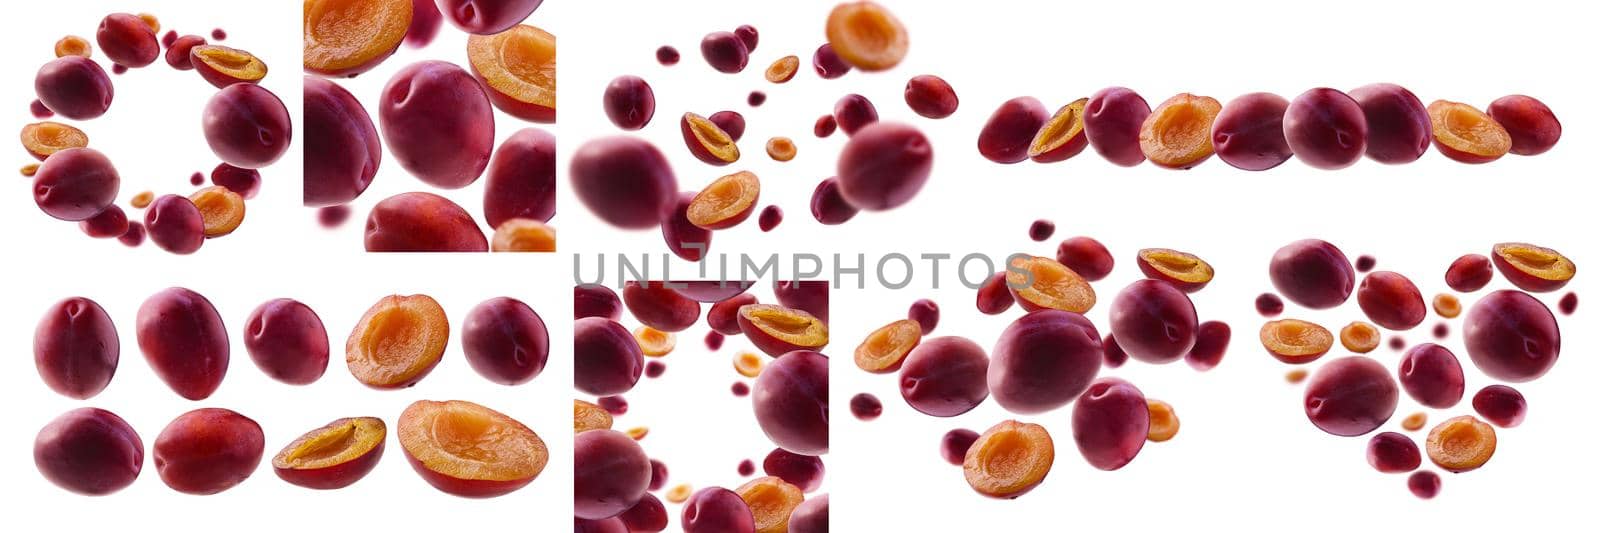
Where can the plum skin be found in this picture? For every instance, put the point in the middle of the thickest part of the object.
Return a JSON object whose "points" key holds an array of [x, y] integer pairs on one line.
{"points": [[1110, 423], [486, 17], [610, 474], [184, 340], [1511, 336], [422, 222], [437, 123], [606, 359], [1351, 396], [287, 341], [74, 87], [342, 150], [75, 348], [247, 126], [791, 402], [624, 181], [505, 341], [1153, 321], [1313, 273], [207, 451], [89, 451], [1044, 360], [945, 376]]}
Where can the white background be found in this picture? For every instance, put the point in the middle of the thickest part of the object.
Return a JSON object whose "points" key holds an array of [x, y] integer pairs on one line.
{"points": [[153, 135], [1246, 458]]}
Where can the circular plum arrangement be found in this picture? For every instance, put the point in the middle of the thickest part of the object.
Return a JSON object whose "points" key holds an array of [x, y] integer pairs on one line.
{"points": [[1052, 358], [245, 125], [459, 447], [437, 119], [785, 379], [1508, 335]]}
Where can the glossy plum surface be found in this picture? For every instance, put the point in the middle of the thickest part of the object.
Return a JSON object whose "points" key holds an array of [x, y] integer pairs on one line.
{"points": [[625, 181], [606, 359], [247, 126], [89, 451], [791, 402], [1511, 336], [520, 181], [1351, 396], [945, 376], [1044, 360], [1153, 321], [287, 341], [1110, 422], [1313, 273], [184, 340], [437, 123]]}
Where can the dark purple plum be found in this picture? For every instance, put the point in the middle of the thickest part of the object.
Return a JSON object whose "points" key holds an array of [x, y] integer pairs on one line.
{"points": [[1351, 396], [629, 102], [1153, 321], [791, 402], [1398, 128], [75, 348], [925, 313], [954, 444], [342, 150], [854, 112], [828, 205], [287, 341], [1085, 256], [1248, 133], [1313, 273], [74, 87], [207, 451], [438, 123], [625, 181], [606, 358], [1010, 130], [724, 315], [725, 52], [945, 376], [422, 222], [749, 36], [592, 299], [1043, 361], [486, 17], [647, 516], [1511, 336], [686, 240], [866, 407], [1393, 453], [1114, 356], [731, 122], [127, 40], [1326, 129], [717, 510], [884, 165], [994, 297], [811, 516], [803, 471], [810, 296], [1469, 273], [1533, 127], [1432, 376], [827, 63], [931, 96], [1391, 301], [1210, 344], [610, 473], [609, 525], [657, 305], [521, 179], [184, 340], [1501, 405], [244, 182], [76, 184], [1111, 122], [89, 451], [425, 22], [246, 125], [1110, 423], [175, 224], [505, 341]]}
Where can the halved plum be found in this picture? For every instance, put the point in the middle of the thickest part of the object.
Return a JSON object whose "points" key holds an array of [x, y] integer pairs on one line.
{"points": [[885, 348], [1062, 136], [348, 37], [398, 341], [1533, 268], [469, 450], [223, 66], [778, 330], [1463, 133], [1183, 270], [41, 139], [708, 141], [1044, 283], [725, 202], [1009, 459], [1296, 342], [518, 69], [333, 456], [1177, 134]]}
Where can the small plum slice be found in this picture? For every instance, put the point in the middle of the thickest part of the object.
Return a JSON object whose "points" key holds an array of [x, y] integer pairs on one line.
{"points": [[886, 348], [469, 450], [777, 330], [127, 40], [587, 416], [221, 209], [945, 376], [486, 17], [624, 181], [505, 341], [1351, 396], [1110, 423], [523, 235], [1177, 134], [223, 66], [207, 451], [724, 315], [422, 222], [1112, 120], [1313, 273], [1532, 126], [790, 400], [1359, 337], [1296, 342], [885, 165], [1326, 129], [1009, 132], [75, 348], [333, 456], [1432, 376], [1164, 422], [771, 501], [867, 36], [707, 141], [1512, 336], [657, 305], [437, 123], [1009, 459], [1533, 268], [606, 359], [1463, 133], [349, 37], [654, 342], [287, 341], [716, 510], [41, 139], [1461, 444], [342, 151], [1398, 127], [1043, 283], [1186, 271], [1061, 137], [726, 202], [783, 70], [398, 341], [1153, 321], [76, 184], [518, 70], [1248, 133], [183, 338], [73, 45], [1044, 360], [1391, 300], [89, 451]]}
